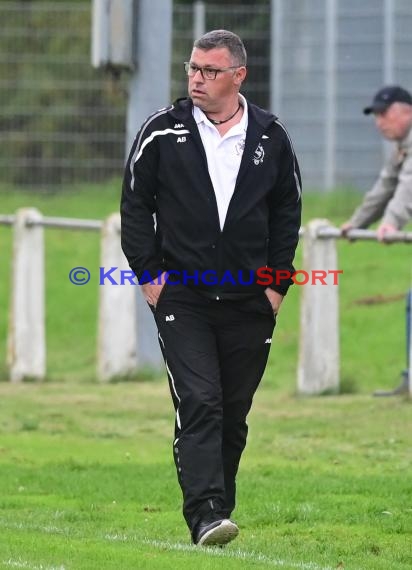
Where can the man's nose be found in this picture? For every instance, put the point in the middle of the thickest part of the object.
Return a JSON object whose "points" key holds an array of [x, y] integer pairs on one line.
{"points": [[198, 76]]}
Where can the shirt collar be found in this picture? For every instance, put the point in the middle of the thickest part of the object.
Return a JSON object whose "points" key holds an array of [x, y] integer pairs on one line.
{"points": [[200, 117]]}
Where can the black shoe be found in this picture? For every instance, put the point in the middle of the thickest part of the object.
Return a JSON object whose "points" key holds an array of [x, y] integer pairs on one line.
{"points": [[216, 533]]}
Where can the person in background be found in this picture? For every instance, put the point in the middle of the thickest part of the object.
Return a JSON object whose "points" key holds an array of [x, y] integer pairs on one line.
{"points": [[390, 199], [222, 179]]}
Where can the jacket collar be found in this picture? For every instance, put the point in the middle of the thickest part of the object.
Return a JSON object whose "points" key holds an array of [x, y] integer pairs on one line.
{"points": [[258, 122]]}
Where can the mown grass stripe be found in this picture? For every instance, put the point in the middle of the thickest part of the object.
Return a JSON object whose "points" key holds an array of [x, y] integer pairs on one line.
{"points": [[164, 545], [29, 566], [221, 553]]}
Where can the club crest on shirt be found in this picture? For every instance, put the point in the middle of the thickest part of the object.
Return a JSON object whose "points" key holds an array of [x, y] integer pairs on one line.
{"points": [[240, 147], [259, 155]]}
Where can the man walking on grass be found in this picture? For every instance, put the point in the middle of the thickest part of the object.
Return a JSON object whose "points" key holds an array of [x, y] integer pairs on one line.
{"points": [[222, 179]]}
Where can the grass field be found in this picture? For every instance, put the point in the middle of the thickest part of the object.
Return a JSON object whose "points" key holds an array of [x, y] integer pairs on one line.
{"points": [[88, 482], [86, 473]]}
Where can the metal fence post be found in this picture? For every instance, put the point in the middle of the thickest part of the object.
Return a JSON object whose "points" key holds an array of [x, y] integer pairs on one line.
{"points": [[26, 350], [117, 326], [409, 340], [153, 50], [199, 19], [148, 92], [318, 370], [330, 90], [389, 37], [276, 56]]}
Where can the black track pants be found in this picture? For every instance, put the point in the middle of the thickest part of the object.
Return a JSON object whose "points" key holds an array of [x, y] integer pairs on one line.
{"points": [[215, 354]]}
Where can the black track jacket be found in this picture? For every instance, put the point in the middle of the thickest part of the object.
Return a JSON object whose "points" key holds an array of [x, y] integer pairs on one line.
{"points": [[167, 175]]}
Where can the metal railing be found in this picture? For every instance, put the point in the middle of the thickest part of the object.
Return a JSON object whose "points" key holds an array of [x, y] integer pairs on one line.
{"points": [[117, 345], [319, 360]]}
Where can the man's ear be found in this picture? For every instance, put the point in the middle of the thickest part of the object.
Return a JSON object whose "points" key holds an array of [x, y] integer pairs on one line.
{"points": [[240, 75]]}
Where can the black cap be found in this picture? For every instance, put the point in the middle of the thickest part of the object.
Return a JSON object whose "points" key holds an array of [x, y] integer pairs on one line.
{"points": [[386, 96]]}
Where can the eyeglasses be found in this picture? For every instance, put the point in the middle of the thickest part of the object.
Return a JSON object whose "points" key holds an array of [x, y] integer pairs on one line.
{"points": [[206, 72]]}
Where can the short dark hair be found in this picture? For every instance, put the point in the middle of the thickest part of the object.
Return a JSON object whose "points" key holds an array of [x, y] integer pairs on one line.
{"points": [[224, 39]]}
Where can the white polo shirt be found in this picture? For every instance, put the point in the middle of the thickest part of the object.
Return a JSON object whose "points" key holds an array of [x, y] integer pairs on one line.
{"points": [[223, 155]]}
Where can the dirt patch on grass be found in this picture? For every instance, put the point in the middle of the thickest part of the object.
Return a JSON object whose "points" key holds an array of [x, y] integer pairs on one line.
{"points": [[379, 299]]}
